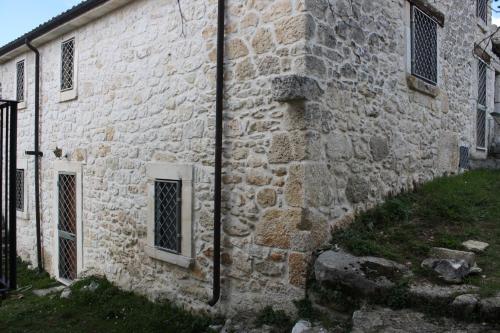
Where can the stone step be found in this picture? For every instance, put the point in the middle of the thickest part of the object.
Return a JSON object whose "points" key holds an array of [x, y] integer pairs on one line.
{"points": [[354, 281], [378, 319]]}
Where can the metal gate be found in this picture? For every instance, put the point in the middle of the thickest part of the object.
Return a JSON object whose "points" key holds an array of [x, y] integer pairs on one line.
{"points": [[67, 226], [8, 169]]}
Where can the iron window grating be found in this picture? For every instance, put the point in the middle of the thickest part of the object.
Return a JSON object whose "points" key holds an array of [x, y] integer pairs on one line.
{"points": [[464, 158], [20, 81], [67, 64], [481, 106], [67, 225], [20, 190], [167, 214], [67, 203], [482, 10], [423, 46]]}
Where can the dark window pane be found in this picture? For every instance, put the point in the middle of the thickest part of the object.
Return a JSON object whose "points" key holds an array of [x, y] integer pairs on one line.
{"points": [[168, 214]]}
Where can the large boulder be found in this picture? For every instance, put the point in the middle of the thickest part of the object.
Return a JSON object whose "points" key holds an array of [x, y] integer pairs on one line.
{"points": [[443, 253], [364, 275]]}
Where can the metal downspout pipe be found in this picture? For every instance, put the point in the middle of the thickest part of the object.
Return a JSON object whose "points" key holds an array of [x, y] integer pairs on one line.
{"points": [[37, 155], [219, 106]]}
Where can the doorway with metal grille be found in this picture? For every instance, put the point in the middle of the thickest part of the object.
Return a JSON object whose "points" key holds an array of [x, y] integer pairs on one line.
{"points": [[66, 226]]}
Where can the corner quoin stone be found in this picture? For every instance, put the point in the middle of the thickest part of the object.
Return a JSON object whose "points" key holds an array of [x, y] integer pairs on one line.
{"points": [[294, 88]]}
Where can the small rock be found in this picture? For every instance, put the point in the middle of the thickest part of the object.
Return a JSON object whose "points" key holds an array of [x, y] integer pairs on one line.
{"points": [[45, 292], [475, 270], [450, 270], [92, 286], [465, 305], [442, 253], [475, 246], [302, 326], [66, 293]]}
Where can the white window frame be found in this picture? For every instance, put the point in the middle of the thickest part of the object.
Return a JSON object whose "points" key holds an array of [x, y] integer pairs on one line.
{"points": [[69, 94], [183, 172], [22, 105], [22, 164], [74, 168]]}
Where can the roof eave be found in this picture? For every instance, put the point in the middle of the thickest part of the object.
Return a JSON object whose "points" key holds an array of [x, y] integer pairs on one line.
{"points": [[60, 25]]}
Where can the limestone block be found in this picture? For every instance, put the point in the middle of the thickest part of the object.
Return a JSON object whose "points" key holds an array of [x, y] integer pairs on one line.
{"points": [[294, 87]]}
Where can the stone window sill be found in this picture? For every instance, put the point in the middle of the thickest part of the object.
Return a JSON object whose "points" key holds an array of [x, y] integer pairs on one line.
{"points": [[21, 106], [67, 95], [171, 258], [421, 86]]}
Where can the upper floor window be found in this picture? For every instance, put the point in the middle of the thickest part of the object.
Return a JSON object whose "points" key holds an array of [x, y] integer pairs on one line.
{"points": [[482, 10], [20, 81], [423, 46], [67, 64], [481, 106]]}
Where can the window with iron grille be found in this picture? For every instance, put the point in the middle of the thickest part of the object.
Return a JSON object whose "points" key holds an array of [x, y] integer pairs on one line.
{"points": [[20, 81], [423, 46], [67, 64], [482, 10], [464, 162], [20, 190], [481, 106], [167, 215]]}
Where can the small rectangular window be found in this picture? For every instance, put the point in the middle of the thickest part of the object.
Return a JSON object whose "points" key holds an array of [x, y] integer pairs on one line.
{"points": [[482, 10], [167, 215], [20, 190], [423, 46], [481, 106], [20, 81], [67, 64]]}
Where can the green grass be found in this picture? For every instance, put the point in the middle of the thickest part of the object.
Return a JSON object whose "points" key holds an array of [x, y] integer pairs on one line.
{"points": [[108, 309], [443, 213]]}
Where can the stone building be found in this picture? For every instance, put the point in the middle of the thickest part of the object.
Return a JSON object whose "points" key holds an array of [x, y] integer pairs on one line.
{"points": [[329, 106]]}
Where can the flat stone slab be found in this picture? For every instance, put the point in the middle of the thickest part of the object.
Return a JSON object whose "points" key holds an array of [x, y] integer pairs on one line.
{"points": [[365, 275], [443, 253], [375, 320], [475, 246], [48, 291], [438, 293]]}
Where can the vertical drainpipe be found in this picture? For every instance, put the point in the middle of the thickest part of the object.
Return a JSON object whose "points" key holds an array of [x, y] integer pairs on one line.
{"points": [[219, 100], [37, 155]]}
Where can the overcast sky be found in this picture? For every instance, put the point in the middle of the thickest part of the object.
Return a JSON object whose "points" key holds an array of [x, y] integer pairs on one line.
{"points": [[20, 16]]}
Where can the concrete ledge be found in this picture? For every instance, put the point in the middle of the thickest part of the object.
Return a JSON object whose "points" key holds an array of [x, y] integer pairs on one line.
{"points": [[419, 85], [291, 88], [171, 258]]}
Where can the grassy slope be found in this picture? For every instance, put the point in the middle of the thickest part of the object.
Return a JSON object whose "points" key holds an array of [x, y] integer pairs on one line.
{"points": [[105, 310], [441, 213]]}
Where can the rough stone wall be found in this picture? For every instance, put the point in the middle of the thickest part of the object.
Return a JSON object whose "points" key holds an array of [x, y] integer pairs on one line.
{"points": [[376, 135], [291, 169], [146, 93]]}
